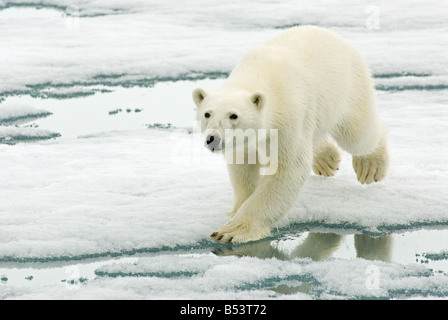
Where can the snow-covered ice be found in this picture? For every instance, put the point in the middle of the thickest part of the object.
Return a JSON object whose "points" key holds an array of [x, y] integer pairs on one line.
{"points": [[134, 203], [16, 113], [11, 115], [145, 41]]}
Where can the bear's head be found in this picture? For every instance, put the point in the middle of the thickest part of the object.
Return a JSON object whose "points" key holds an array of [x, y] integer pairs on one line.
{"points": [[217, 112]]}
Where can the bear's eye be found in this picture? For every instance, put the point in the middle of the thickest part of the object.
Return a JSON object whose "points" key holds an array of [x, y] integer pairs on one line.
{"points": [[233, 116], [207, 115]]}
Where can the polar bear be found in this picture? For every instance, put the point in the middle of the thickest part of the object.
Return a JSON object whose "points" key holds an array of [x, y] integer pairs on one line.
{"points": [[316, 90]]}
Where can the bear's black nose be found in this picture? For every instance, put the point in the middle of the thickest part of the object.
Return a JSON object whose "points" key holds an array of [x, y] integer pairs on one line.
{"points": [[213, 142]]}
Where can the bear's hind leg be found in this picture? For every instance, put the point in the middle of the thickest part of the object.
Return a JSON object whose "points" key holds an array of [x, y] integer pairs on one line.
{"points": [[366, 140], [326, 158], [373, 167]]}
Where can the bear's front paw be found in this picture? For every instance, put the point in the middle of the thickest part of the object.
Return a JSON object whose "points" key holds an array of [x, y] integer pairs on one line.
{"points": [[240, 232]]}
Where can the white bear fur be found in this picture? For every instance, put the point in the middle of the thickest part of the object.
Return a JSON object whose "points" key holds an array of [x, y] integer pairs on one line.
{"points": [[316, 89]]}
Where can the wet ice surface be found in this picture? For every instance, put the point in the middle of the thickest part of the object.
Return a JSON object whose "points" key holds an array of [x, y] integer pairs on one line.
{"points": [[120, 109], [300, 265], [107, 192]]}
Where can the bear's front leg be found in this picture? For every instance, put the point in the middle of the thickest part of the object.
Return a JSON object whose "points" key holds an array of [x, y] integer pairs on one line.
{"points": [[244, 179], [270, 201]]}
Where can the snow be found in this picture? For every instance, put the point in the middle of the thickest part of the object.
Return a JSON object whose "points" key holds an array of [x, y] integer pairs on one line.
{"points": [[139, 37], [207, 276], [13, 113], [154, 194], [11, 135], [85, 174]]}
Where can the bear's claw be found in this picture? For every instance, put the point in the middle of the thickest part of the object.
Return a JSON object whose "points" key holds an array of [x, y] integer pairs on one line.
{"points": [[217, 236]]}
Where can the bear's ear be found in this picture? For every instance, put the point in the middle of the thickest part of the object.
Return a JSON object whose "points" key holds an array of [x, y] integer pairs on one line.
{"points": [[199, 95], [258, 99]]}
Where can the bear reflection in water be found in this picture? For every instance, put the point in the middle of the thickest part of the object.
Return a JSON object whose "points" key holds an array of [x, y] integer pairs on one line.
{"points": [[317, 246]]}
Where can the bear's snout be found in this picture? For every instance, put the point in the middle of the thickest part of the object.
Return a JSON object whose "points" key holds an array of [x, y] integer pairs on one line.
{"points": [[213, 142]]}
